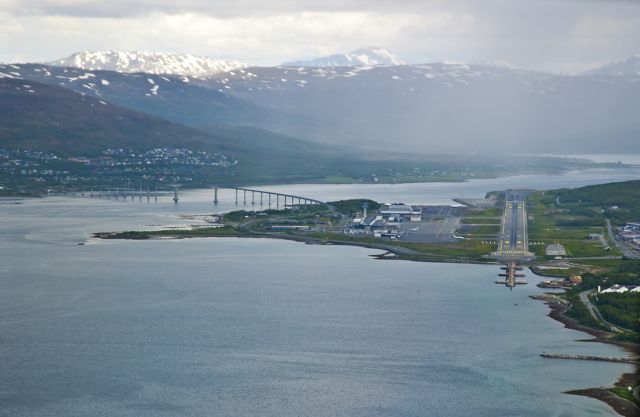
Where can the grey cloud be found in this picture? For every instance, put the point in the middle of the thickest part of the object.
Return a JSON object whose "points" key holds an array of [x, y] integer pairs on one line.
{"points": [[234, 8], [539, 34]]}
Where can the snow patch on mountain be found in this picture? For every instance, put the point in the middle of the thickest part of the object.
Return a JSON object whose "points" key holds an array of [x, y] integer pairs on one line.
{"points": [[628, 66], [148, 62], [360, 57]]}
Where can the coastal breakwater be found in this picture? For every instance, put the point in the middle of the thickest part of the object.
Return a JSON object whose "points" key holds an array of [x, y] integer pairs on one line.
{"points": [[590, 358]]}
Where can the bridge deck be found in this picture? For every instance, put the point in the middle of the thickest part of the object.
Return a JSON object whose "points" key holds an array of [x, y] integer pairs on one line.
{"points": [[292, 196]]}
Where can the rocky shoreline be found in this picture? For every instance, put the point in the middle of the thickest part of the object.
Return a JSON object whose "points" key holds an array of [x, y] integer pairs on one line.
{"points": [[622, 406]]}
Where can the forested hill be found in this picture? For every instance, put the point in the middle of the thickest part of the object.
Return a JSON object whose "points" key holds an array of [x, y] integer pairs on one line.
{"points": [[622, 194], [619, 201]]}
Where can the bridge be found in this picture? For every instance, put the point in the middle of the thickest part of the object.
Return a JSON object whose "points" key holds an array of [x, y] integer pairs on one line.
{"points": [[269, 196], [245, 195]]}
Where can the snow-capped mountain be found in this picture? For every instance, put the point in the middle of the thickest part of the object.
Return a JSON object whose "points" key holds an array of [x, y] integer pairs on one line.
{"points": [[175, 98], [442, 106], [428, 107], [629, 66], [148, 62], [357, 58]]}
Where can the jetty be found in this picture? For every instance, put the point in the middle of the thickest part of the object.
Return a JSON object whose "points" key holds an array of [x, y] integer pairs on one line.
{"points": [[590, 358]]}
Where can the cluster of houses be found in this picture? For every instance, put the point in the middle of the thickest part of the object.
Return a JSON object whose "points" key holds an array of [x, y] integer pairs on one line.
{"points": [[617, 288], [561, 283]]}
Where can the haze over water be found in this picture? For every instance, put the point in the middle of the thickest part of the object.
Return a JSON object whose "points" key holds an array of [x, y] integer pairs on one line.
{"points": [[251, 327]]}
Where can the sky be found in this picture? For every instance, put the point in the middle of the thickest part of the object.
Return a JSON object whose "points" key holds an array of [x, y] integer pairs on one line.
{"points": [[550, 35]]}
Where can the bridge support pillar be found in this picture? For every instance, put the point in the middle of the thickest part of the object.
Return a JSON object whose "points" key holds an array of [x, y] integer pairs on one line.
{"points": [[244, 194], [215, 196], [253, 197]]}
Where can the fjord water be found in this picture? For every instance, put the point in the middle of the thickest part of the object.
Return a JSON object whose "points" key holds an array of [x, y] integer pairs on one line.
{"points": [[256, 327]]}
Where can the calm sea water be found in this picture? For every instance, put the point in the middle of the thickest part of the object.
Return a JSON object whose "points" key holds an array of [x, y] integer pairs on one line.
{"points": [[251, 327]]}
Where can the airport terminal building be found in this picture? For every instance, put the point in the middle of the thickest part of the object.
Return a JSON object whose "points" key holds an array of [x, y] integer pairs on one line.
{"points": [[400, 212]]}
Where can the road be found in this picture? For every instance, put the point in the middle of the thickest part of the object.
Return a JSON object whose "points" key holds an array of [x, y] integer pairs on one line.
{"points": [[513, 239], [584, 297], [624, 248]]}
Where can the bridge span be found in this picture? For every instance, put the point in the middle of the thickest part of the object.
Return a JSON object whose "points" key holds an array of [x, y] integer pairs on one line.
{"points": [[261, 194], [243, 195]]}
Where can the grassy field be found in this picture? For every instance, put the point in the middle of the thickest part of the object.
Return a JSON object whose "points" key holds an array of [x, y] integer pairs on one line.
{"points": [[481, 220], [626, 394], [485, 231], [549, 223], [225, 231]]}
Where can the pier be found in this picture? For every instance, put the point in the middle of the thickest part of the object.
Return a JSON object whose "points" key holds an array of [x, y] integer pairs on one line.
{"points": [[589, 358], [511, 274]]}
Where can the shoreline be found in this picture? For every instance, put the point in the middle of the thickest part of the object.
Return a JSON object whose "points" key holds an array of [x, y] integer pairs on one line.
{"points": [[592, 165], [390, 252], [557, 308], [621, 406]]}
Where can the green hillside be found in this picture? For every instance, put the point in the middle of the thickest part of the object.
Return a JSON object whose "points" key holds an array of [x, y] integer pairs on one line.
{"points": [[47, 118], [618, 200], [53, 119]]}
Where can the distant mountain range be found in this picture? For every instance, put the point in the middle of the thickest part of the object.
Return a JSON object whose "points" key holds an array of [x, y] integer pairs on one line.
{"points": [[445, 107], [54, 119], [174, 98], [148, 62], [359, 57], [49, 118], [410, 109], [628, 66], [204, 67]]}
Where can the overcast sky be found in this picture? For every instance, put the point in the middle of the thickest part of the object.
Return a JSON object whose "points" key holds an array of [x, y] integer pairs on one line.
{"points": [[558, 35]]}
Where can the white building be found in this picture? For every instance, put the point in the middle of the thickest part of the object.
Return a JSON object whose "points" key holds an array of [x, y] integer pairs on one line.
{"points": [[616, 289], [400, 212]]}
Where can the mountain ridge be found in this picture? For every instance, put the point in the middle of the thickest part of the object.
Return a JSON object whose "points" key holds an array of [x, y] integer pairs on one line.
{"points": [[170, 97], [626, 66], [148, 62], [441, 107], [371, 56], [47, 118]]}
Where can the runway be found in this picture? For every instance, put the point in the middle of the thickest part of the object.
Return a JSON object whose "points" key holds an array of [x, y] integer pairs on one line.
{"points": [[513, 240]]}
